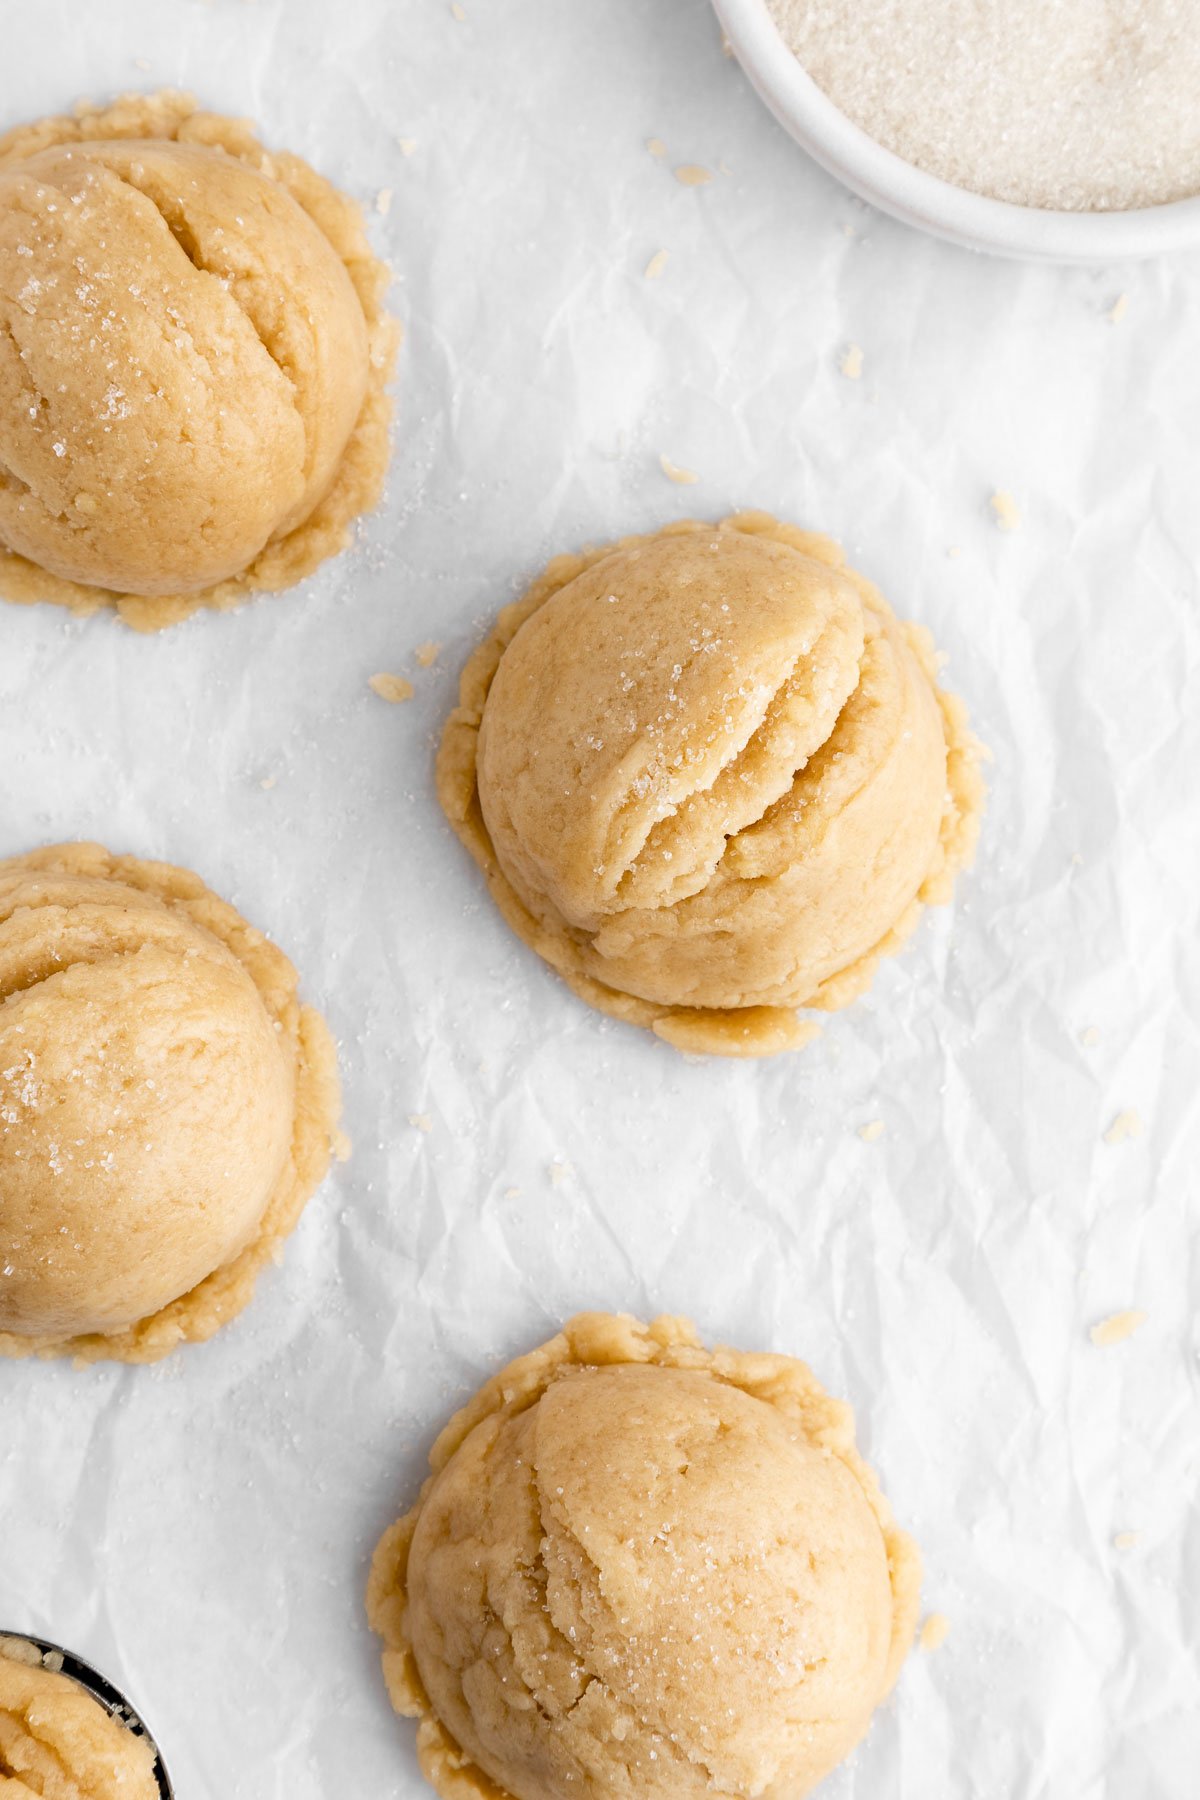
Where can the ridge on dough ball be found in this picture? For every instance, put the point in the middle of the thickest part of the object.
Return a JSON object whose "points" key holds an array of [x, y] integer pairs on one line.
{"points": [[166, 1105], [711, 779], [192, 353], [642, 1567], [53, 1732]]}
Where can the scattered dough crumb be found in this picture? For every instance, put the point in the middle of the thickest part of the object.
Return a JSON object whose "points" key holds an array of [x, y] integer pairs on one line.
{"points": [[934, 1632], [560, 1171], [656, 265], [406, 145], [726, 47], [1127, 1540], [656, 147], [1089, 1037], [685, 477], [1118, 1327], [391, 687], [141, 62], [420, 1121], [693, 175], [457, 12], [1008, 513], [1127, 1124], [953, 550], [383, 201], [512, 1193], [1118, 309], [340, 1146], [427, 654], [851, 363], [268, 782], [873, 1129], [723, 168]]}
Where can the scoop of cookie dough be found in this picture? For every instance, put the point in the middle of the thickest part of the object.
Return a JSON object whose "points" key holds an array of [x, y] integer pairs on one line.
{"points": [[166, 1105], [192, 355], [639, 1567], [711, 779], [56, 1738]]}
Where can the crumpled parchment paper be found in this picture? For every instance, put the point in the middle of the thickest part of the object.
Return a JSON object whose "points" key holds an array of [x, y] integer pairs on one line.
{"points": [[201, 1530]]}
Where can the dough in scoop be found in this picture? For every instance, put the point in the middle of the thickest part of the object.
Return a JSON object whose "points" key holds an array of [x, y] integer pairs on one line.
{"points": [[166, 1106], [192, 360], [711, 779], [641, 1568], [56, 1740]]}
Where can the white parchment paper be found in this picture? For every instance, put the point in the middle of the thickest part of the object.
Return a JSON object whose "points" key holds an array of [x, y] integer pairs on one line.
{"points": [[201, 1530]]}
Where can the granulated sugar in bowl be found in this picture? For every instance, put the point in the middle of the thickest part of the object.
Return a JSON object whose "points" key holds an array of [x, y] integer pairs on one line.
{"points": [[1062, 129]]}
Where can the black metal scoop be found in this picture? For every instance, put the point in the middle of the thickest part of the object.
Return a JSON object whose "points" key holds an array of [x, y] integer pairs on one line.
{"points": [[102, 1690]]}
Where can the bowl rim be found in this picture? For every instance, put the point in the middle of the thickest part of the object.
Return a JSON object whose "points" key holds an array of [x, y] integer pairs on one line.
{"points": [[85, 1675], [897, 187]]}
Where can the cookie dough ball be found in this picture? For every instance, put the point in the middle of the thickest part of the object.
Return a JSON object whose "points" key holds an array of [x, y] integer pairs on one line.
{"points": [[641, 1568], [191, 362], [166, 1105], [711, 779], [56, 1738]]}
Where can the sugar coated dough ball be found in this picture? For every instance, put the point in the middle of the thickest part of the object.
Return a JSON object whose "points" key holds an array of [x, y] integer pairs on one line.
{"points": [[56, 1739], [642, 1568], [185, 360], [165, 1105], [711, 779]]}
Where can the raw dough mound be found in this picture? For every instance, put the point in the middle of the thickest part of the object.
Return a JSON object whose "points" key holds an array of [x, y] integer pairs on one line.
{"points": [[640, 1568], [166, 1105], [711, 779], [58, 1742], [192, 360]]}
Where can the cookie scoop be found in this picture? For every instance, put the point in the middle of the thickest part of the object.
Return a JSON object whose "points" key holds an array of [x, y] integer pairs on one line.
{"points": [[167, 1106], [711, 779], [641, 1567]]}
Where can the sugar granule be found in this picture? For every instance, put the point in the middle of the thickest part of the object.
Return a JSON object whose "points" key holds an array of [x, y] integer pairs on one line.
{"points": [[1076, 107]]}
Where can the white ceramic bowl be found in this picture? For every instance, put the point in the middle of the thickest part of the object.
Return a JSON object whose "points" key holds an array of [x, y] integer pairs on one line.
{"points": [[908, 193]]}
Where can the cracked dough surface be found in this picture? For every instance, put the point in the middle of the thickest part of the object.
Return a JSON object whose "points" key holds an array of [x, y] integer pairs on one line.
{"points": [[710, 778], [167, 1106], [640, 1568], [58, 1743], [193, 355]]}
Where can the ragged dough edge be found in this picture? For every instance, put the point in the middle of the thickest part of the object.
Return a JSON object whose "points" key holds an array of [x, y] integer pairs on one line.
{"points": [[597, 1340], [706, 1031], [204, 1309], [358, 483]]}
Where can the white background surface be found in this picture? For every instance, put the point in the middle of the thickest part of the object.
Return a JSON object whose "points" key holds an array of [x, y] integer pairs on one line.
{"points": [[202, 1530]]}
